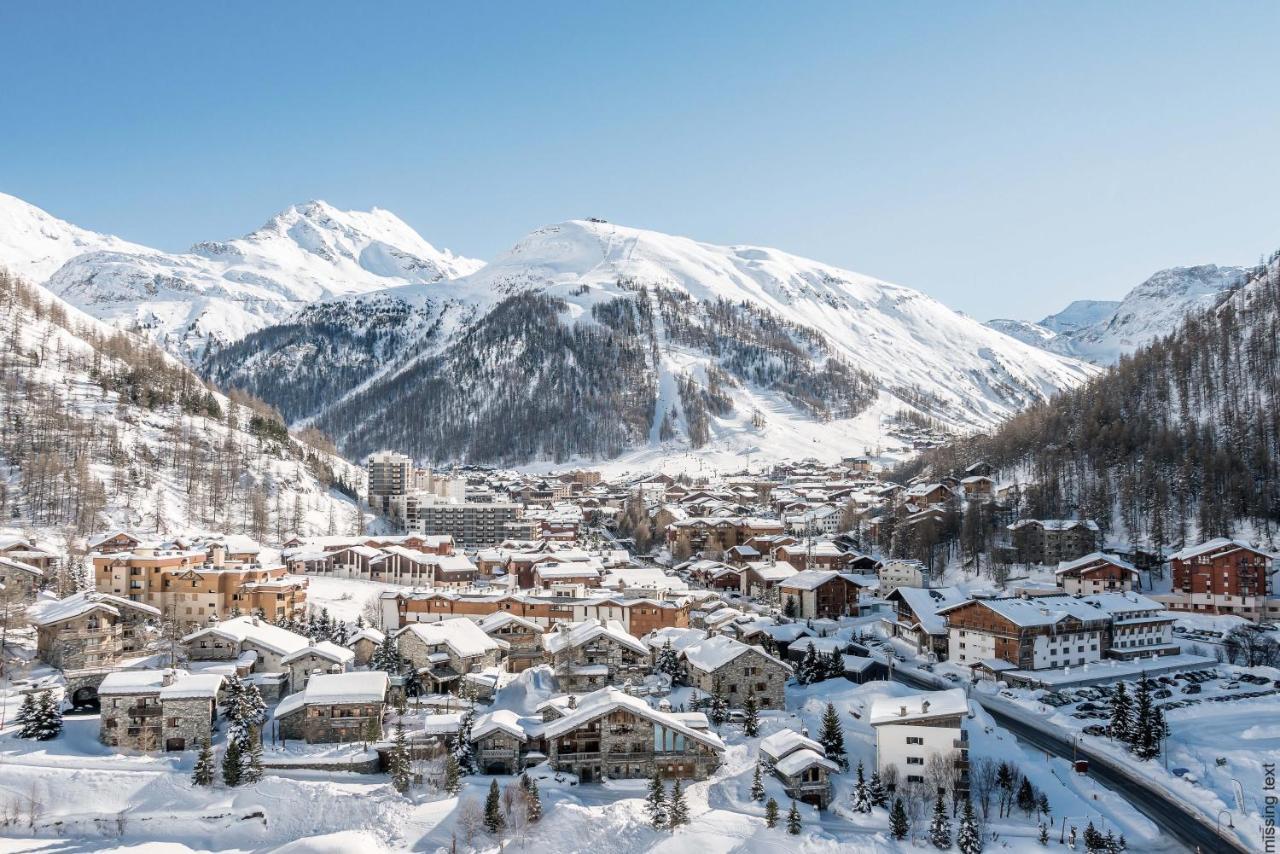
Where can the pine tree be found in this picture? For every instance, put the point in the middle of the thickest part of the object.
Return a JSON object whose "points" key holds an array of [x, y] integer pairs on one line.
{"points": [[757, 785], [1121, 715], [1043, 838], [1145, 742], [806, 671], [969, 839], [717, 705], [879, 797], [387, 657], [463, 749], [1094, 842], [252, 772], [452, 775], [245, 711], [533, 800], [1042, 803], [1026, 797], [668, 661], [1004, 781], [832, 737], [398, 761], [677, 809], [493, 820], [834, 665], [232, 767], [751, 713], [771, 813], [940, 827], [655, 803], [861, 794], [44, 720], [793, 820], [25, 712], [202, 773], [899, 826]]}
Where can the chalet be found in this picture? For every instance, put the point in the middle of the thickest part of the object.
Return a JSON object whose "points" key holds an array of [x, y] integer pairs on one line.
{"points": [[522, 636], [335, 707], [158, 709], [762, 577], [1035, 633], [442, 652], [1222, 576], [1051, 541], [90, 630], [610, 734], [924, 495], [816, 593], [19, 581], [801, 764], [1097, 573], [27, 550], [113, 542], [917, 618], [735, 671], [363, 643], [978, 486], [500, 742], [903, 573], [594, 654], [256, 642], [911, 730], [323, 657]]}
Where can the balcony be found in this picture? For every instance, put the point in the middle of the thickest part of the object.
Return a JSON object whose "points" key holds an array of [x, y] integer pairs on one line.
{"points": [[144, 711]]}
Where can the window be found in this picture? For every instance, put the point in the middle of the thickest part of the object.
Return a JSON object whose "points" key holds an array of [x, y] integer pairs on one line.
{"points": [[915, 739], [915, 760]]}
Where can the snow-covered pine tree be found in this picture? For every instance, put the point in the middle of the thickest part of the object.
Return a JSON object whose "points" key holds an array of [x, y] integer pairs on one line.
{"points": [[771, 813], [879, 797], [899, 825], [452, 774], [832, 737], [940, 826], [655, 802], [793, 820], [398, 760], [493, 820], [717, 705], [533, 799], [25, 711], [252, 758], [1043, 838], [232, 765], [202, 773], [463, 750], [806, 671], [1094, 842], [668, 661], [677, 809], [861, 794], [1121, 727], [757, 785], [1146, 744], [969, 838], [834, 665], [245, 711], [44, 721], [1026, 797], [751, 715]]}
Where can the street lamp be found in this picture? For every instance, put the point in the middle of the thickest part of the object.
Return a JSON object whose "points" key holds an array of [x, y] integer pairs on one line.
{"points": [[1230, 824]]}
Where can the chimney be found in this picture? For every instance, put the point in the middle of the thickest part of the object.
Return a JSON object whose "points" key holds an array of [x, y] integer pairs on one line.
{"points": [[254, 620], [167, 679], [902, 711], [924, 707]]}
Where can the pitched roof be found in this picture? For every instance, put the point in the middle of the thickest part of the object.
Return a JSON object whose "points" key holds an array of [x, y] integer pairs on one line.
{"points": [[460, 634], [363, 686], [606, 700], [932, 704], [49, 612], [787, 741], [499, 720], [1093, 558], [798, 761], [715, 652], [1216, 544], [324, 649], [569, 635], [20, 566], [278, 640]]}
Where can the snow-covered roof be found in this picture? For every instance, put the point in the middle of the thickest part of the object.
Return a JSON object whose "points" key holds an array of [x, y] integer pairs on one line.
{"points": [[809, 579], [1056, 524], [499, 619], [576, 569], [193, 686], [679, 638], [715, 652], [787, 741], [324, 649], [1043, 610], [367, 633], [926, 602], [239, 629], [18, 565], [569, 635], [181, 683], [1093, 558], [499, 720], [365, 686], [606, 700], [1215, 545], [461, 635], [798, 761], [932, 704], [49, 612]]}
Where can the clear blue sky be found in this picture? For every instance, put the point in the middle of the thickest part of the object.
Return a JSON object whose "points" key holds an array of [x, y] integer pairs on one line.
{"points": [[1003, 157]]}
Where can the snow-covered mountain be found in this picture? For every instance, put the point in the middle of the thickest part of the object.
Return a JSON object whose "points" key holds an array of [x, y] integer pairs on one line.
{"points": [[1101, 331], [106, 430], [588, 338], [219, 291]]}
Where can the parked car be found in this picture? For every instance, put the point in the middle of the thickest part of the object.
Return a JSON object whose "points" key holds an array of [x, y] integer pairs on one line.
{"points": [[1191, 689], [1095, 729]]}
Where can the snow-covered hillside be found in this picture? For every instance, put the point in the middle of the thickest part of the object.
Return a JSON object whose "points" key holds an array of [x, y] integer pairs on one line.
{"points": [[219, 291], [625, 340], [1101, 331], [103, 430]]}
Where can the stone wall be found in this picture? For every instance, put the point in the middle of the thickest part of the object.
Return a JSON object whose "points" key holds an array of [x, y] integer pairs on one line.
{"points": [[749, 671]]}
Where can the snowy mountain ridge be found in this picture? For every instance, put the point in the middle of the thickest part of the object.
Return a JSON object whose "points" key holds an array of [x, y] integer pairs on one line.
{"points": [[1101, 331], [724, 350], [219, 291]]}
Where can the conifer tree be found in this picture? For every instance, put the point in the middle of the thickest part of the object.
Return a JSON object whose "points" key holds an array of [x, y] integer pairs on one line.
{"points": [[1026, 797], [969, 839], [793, 820], [677, 809], [751, 715], [398, 761], [533, 800], [668, 661], [253, 770], [493, 820], [861, 794], [463, 749], [655, 803], [1042, 803], [202, 773], [1094, 842], [44, 721], [757, 785], [834, 665], [940, 827], [25, 712], [1121, 715], [1043, 838], [452, 774], [1145, 743], [806, 671], [771, 813], [232, 767], [717, 705], [879, 797], [899, 826], [832, 737]]}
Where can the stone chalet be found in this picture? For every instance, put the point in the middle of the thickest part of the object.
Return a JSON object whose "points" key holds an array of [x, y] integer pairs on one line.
{"points": [[158, 709], [737, 670], [255, 645], [19, 581], [1097, 573], [31, 552], [801, 764], [611, 734], [594, 654], [322, 657], [824, 594], [500, 742], [363, 643], [335, 708], [90, 630], [442, 652], [763, 576], [522, 636]]}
